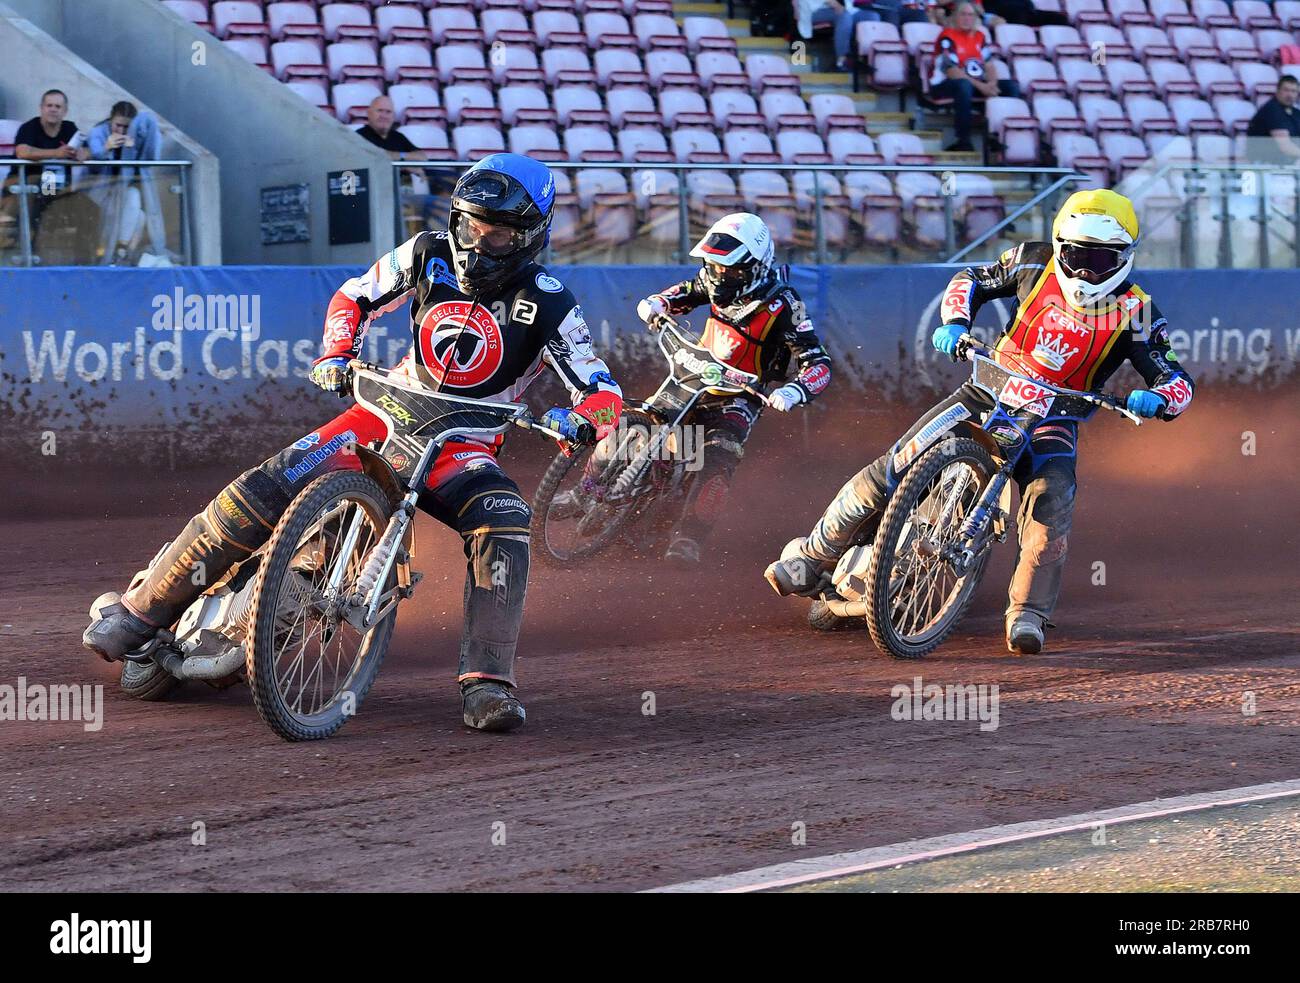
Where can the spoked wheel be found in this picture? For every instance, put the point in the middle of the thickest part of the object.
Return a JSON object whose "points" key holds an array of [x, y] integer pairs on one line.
{"points": [[581, 505], [915, 597], [308, 667]]}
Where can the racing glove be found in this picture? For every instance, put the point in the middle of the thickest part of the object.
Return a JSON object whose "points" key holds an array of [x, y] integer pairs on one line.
{"points": [[785, 399], [652, 307], [331, 374], [567, 424], [1145, 403], [946, 337]]}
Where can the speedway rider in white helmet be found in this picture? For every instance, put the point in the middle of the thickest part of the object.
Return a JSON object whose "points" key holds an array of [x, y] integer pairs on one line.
{"points": [[756, 323], [1078, 318]]}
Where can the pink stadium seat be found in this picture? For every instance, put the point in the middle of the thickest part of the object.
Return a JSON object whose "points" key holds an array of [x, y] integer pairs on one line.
{"points": [[352, 60], [1163, 10], [1171, 73], [248, 48], [460, 61], [529, 100], [570, 99], [290, 20], [313, 90], [402, 22], [1236, 42], [342, 21], [622, 60], [882, 48], [881, 212], [1127, 76], [654, 30], [565, 64], [1212, 148], [605, 28], [636, 103], [765, 69], [1006, 34], [531, 138], [1216, 79], [1268, 41], [1102, 113], [1121, 11], [740, 144], [548, 23], [426, 136], [476, 140], [589, 143], [1255, 77], [297, 59], [1076, 9], [566, 215], [696, 145], [353, 95], [1193, 113], [1123, 151], [1254, 13], [851, 147], [1052, 36], [455, 19], [801, 147], [710, 64], [1082, 153], [495, 20], [768, 195], [670, 68], [469, 103], [895, 144], [632, 143], [406, 60], [1055, 113], [782, 103], [920, 37], [725, 103], [1288, 12], [237, 17], [1143, 38], [1036, 74], [834, 109], [514, 63], [676, 102], [1206, 10], [1185, 39], [1233, 111], [1106, 40], [1011, 121], [1081, 76], [698, 29], [409, 96], [1148, 114]]}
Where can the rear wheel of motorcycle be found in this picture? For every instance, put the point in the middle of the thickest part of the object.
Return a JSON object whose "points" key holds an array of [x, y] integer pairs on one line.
{"points": [[147, 681], [821, 617], [545, 527], [914, 604], [294, 651]]}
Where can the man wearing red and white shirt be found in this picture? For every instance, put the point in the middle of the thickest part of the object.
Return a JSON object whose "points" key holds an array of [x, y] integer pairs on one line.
{"points": [[962, 71]]}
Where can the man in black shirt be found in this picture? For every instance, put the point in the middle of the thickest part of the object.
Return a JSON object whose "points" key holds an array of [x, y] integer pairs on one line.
{"points": [[49, 137], [1279, 119], [380, 131]]}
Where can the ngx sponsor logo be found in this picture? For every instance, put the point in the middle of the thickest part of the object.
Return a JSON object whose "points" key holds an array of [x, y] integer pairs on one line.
{"points": [[1027, 395]]}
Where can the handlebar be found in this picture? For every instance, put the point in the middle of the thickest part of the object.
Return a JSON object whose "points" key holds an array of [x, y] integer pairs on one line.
{"points": [[968, 344], [682, 330]]}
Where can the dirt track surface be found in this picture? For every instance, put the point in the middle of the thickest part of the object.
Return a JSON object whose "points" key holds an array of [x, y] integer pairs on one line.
{"points": [[759, 722]]}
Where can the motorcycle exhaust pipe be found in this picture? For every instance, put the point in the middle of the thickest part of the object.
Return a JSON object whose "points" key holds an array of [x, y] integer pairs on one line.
{"points": [[211, 666], [847, 609]]}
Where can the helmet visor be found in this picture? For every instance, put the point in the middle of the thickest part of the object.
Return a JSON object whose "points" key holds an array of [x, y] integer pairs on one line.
{"points": [[1092, 262], [484, 237]]}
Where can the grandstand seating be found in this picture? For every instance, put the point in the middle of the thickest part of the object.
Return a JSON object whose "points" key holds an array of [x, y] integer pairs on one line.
{"points": [[628, 81]]}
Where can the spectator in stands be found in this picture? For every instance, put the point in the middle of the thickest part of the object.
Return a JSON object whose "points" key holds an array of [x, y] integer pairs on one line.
{"points": [[127, 197], [49, 137], [1279, 119], [1023, 12], [381, 131], [844, 14], [900, 12], [942, 13], [960, 71]]}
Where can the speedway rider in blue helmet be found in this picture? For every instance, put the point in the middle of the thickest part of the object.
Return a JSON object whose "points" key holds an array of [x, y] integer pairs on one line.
{"points": [[485, 318]]}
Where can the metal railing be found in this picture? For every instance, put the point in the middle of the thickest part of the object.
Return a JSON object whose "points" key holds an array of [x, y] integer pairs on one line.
{"points": [[78, 184], [1260, 199], [818, 193]]}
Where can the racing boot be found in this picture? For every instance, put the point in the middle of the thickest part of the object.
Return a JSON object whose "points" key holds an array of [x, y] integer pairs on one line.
{"points": [[114, 630], [491, 705], [683, 552], [1025, 634], [797, 573]]}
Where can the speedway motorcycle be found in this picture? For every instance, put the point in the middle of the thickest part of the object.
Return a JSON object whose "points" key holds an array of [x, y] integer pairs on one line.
{"points": [[307, 619], [913, 582], [640, 473]]}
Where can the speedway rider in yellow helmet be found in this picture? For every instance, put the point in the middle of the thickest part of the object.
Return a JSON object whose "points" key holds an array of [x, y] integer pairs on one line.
{"points": [[1078, 318]]}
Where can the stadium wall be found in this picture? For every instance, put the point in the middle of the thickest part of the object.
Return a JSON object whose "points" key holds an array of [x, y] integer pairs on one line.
{"points": [[34, 62], [183, 365], [264, 133]]}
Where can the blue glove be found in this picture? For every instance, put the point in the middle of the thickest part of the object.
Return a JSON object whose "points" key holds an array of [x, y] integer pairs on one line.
{"points": [[330, 374], [565, 422], [946, 336], [1145, 403]]}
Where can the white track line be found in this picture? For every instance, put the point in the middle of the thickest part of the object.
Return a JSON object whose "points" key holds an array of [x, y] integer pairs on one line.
{"points": [[858, 862]]}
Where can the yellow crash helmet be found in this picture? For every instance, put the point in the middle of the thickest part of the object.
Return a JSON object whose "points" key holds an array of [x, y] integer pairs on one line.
{"points": [[1093, 241]]}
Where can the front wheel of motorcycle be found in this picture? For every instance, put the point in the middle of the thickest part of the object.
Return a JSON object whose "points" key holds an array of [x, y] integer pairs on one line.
{"points": [[309, 669], [572, 518], [915, 597]]}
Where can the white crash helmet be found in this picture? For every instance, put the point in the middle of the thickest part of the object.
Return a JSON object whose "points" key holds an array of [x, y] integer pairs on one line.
{"points": [[1093, 241], [738, 257]]}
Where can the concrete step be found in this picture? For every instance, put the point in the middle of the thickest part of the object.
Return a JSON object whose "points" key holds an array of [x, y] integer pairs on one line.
{"points": [[719, 10]]}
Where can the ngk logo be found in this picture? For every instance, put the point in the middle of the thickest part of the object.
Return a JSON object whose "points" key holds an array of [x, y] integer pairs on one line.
{"points": [[1019, 393]]}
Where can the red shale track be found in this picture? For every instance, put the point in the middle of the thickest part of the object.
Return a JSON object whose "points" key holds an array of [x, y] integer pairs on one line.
{"points": [[760, 723]]}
